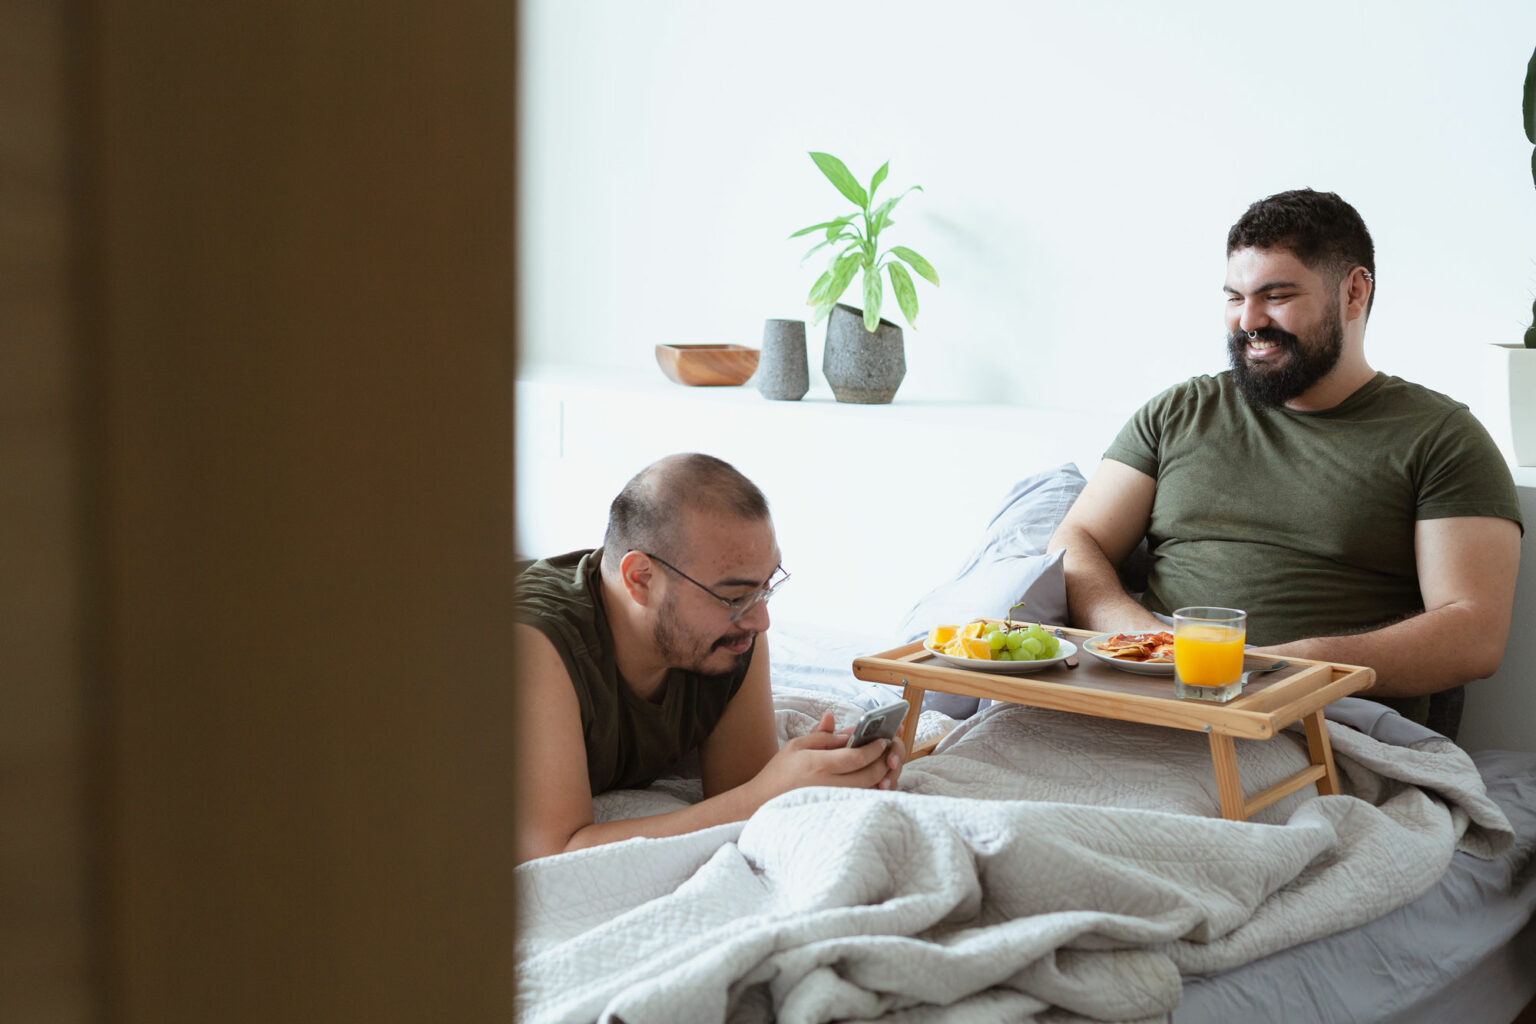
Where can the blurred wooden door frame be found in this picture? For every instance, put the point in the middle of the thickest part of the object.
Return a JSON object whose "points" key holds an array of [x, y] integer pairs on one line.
{"points": [[270, 380]]}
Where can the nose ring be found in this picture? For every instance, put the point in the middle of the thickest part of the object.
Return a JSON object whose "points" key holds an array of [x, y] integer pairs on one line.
{"points": [[1252, 335]]}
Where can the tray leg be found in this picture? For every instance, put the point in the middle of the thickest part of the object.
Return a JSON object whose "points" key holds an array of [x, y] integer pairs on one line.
{"points": [[1228, 786], [913, 695], [1320, 751]]}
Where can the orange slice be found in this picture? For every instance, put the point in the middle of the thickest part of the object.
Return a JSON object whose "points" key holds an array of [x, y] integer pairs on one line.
{"points": [[938, 636], [972, 629], [976, 647], [969, 647]]}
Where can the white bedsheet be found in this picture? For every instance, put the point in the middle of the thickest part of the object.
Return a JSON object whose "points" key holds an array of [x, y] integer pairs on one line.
{"points": [[934, 903]]}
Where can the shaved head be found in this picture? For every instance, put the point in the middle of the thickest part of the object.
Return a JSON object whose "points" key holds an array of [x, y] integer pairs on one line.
{"points": [[649, 513]]}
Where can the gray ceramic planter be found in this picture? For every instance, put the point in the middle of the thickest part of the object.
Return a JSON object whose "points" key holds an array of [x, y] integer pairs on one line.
{"points": [[863, 368], [783, 372]]}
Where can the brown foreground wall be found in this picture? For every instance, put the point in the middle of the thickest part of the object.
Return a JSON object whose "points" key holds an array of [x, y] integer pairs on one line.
{"points": [[256, 270]]}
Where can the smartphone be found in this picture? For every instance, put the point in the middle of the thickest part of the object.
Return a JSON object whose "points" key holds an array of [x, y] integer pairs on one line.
{"points": [[879, 724]]}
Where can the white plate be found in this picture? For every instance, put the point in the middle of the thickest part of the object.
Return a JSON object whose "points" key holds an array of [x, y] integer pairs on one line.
{"points": [[1140, 668], [1065, 650]]}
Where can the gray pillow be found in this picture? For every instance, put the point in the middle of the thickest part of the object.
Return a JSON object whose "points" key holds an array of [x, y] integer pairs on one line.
{"points": [[1010, 563], [1008, 566], [990, 590]]}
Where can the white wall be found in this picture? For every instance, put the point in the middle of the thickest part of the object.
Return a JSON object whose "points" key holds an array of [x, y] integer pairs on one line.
{"points": [[1081, 164]]}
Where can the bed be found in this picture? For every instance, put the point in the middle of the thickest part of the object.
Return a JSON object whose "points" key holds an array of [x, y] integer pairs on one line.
{"points": [[1045, 866]]}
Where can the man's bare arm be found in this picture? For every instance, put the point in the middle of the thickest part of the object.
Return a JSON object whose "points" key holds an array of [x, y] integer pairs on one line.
{"points": [[1104, 526], [554, 791], [1467, 567]]}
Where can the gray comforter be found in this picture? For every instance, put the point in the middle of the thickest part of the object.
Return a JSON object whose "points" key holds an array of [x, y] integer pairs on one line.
{"points": [[1040, 865]]}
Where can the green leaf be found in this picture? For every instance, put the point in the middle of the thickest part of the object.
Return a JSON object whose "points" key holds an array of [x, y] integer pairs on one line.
{"points": [[849, 235], [816, 248], [822, 312], [843, 270], [906, 295], [1528, 103], [917, 263], [882, 216], [839, 175], [819, 289], [874, 182], [872, 301], [817, 227], [836, 227]]}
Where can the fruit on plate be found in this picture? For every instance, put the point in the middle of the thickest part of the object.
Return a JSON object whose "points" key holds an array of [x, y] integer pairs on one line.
{"points": [[986, 640]]}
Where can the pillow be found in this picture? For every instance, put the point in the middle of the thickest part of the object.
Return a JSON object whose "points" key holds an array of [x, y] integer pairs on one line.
{"points": [[991, 589], [1010, 564]]}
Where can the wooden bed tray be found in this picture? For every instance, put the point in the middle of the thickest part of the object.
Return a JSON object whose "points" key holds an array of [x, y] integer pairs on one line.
{"points": [[1267, 704]]}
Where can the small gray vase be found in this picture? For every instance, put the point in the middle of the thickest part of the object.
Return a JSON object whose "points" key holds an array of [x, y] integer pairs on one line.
{"points": [[783, 373], [862, 368]]}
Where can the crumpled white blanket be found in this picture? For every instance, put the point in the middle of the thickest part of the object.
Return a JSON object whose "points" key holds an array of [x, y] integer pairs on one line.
{"points": [[1040, 866]]}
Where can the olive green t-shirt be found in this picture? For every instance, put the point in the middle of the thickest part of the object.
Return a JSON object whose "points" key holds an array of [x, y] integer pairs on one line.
{"points": [[1305, 520], [630, 741]]}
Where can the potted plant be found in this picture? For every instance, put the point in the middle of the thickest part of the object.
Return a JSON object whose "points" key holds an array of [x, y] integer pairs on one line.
{"points": [[863, 360], [1517, 363]]}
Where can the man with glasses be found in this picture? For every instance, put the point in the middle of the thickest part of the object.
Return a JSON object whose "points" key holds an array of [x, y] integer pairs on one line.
{"points": [[1357, 517], [651, 648]]}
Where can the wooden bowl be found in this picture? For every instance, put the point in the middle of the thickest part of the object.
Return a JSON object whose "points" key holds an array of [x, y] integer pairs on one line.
{"points": [[707, 365]]}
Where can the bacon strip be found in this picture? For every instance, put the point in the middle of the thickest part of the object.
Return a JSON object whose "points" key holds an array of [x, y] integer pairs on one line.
{"points": [[1145, 647]]}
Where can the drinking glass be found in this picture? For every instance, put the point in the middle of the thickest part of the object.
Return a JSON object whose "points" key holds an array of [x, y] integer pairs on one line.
{"points": [[1208, 653]]}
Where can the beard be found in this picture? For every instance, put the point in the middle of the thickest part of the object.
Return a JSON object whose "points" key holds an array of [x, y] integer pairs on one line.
{"points": [[1303, 364], [699, 653]]}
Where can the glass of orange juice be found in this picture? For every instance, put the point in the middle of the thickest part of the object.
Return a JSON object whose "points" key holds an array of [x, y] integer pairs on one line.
{"points": [[1208, 653]]}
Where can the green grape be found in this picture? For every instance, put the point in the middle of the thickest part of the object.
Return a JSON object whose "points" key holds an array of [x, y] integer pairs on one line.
{"points": [[1038, 643], [990, 628], [1015, 640], [996, 641]]}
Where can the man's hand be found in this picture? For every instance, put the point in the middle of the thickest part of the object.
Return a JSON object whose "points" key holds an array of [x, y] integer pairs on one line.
{"points": [[822, 757], [1103, 526]]}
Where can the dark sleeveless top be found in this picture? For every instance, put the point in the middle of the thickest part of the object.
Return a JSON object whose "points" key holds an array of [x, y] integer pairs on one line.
{"points": [[630, 741]]}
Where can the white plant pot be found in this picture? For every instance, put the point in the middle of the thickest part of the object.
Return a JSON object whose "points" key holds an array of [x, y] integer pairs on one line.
{"points": [[1512, 401]]}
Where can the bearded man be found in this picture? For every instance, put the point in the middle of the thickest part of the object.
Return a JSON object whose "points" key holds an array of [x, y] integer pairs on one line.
{"points": [[651, 648], [1355, 516]]}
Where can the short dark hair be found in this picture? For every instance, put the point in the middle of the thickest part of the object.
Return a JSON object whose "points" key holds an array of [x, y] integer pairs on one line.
{"points": [[1322, 230], [647, 514]]}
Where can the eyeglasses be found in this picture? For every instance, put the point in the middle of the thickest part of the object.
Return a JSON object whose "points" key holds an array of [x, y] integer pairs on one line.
{"points": [[739, 606]]}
